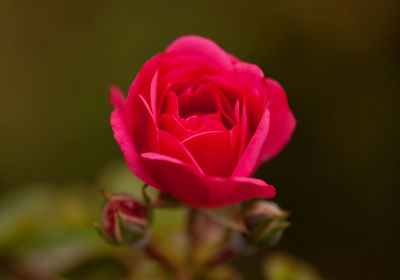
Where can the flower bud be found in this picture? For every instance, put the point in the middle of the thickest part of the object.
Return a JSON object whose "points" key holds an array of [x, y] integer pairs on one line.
{"points": [[124, 220], [265, 221]]}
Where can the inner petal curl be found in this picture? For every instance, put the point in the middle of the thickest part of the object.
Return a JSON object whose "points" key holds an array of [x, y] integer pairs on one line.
{"points": [[205, 99]]}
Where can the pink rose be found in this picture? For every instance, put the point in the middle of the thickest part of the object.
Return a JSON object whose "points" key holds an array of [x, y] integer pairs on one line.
{"points": [[198, 122]]}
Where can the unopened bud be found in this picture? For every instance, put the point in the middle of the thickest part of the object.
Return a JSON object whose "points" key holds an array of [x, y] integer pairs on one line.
{"points": [[265, 221], [124, 220]]}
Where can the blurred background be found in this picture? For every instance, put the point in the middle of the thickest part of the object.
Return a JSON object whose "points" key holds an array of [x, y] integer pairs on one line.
{"points": [[339, 62]]}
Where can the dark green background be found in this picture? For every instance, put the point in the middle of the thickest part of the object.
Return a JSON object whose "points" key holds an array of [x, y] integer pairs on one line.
{"points": [[339, 62]]}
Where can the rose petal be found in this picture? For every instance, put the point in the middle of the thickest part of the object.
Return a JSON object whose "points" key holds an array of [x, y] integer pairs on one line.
{"points": [[117, 98], [212, 125], [142, 83], [239, 131], [202, 191], [172, 73], [201, 47], [193, 122], [250, 158], [180, 86], [141, 125], [174, 126], [226, 191], [282, 123], [206, 99], [124, 140], [243, 129], [251, 76], [154, 96], [236, 132], [213, 151], [170, 146], [230, 89], [177, 177], [170, 104], [202, 100]]}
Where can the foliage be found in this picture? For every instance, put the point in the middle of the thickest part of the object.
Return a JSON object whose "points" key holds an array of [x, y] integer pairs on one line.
{"points": [[45, 233]]}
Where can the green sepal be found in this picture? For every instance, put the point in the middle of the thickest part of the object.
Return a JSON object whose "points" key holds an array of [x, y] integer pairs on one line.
{"points": [[130, 234], [264, 233], [258, 231], [104, 235], [269, 238]]}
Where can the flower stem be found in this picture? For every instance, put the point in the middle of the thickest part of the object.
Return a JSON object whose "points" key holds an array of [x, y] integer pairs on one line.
{"points": [[160, 258], [220, 257], [191, 228]]}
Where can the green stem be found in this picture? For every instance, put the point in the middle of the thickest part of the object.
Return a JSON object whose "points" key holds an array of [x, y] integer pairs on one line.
{"points": [[191, 228], [154, 254], [220, 257]]}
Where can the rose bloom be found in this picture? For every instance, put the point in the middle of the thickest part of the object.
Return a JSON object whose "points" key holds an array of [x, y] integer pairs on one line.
{"points": [[198, 122]]}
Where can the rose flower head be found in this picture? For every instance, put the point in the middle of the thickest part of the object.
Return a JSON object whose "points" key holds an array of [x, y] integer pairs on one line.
{"points": [[197, 122]]}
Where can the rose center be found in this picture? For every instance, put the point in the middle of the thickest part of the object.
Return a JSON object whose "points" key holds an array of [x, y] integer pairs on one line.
{"points": [[201, 103]]}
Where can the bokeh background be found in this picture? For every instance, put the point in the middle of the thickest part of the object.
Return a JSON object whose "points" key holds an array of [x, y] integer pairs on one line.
{"points": [[339, 62]]}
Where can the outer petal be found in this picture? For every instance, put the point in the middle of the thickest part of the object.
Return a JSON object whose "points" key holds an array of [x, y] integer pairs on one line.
{"points": [[282, 122], [117, 99], [236, 189], [250, 158], [193, 45], [251, 78], [177, 177], [201, 191], [124, 140], [145, 80], [141, 125]]}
